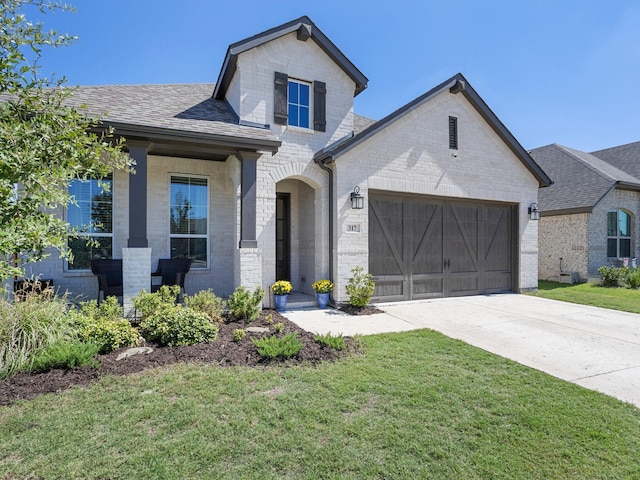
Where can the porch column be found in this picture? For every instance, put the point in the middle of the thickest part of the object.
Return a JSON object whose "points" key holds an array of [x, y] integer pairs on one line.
{"points": [[248, 191], [248, 257], [136, 257], [138, 195]]}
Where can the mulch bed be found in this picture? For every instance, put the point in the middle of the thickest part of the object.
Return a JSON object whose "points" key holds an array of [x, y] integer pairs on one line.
{"points": [[222, 352]]}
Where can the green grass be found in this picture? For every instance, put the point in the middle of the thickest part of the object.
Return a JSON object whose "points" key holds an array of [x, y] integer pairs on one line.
{"points": [[624, 299], [414, 405]]}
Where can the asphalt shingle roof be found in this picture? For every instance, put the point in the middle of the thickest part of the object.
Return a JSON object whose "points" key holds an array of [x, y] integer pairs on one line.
{"points": [[580, 179], [183, 107], [361, 123], [624, 157]]}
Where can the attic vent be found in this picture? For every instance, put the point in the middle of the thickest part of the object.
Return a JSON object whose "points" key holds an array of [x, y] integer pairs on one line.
{"points": [[453, 133]]}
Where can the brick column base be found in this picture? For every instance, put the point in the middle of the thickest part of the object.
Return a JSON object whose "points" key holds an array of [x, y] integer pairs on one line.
{"points": [[136, 275], [248, 268]]}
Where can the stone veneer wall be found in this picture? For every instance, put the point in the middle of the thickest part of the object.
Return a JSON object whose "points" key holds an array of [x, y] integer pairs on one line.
{"points": [[563, 236]]}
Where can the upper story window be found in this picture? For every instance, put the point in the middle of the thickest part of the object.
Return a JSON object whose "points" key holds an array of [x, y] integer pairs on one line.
{"points": [[293, 100], [618, 234], [298, 104], [92, 217], [189, 219]]}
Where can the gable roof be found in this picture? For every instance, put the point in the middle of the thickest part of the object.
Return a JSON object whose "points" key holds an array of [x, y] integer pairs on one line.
{"points": [[625, 157], [183, 112], [305, 29], [581, 180], [456, 84]]}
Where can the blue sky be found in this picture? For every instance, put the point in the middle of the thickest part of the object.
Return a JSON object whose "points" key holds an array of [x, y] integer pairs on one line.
{"points": [[554, 71]]}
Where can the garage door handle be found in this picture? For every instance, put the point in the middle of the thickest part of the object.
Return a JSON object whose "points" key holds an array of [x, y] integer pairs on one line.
{"points": [[447, 263]]}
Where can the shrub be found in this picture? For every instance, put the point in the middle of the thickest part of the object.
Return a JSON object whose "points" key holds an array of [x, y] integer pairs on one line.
{"points": [[238, 334], [613, 276], [281, 287], [66, 355], [149, 303], [176, 325], [279, 327], [273, 347], [244, 305], [110, 334], [268, 319], [322, 286], [104, 325], [207, 302], [336, 342], [634, 277], [360, 287], [29, 326]]}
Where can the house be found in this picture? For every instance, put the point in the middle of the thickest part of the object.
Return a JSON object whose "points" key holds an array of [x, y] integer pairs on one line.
{"points": [[256, 178], [589, 216]]}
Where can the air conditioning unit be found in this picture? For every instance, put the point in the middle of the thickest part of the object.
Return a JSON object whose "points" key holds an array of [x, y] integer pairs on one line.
{"points": [[569, 277]]}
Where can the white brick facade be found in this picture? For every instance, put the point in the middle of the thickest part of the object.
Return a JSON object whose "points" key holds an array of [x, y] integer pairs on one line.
{"points": [[410, 155]]}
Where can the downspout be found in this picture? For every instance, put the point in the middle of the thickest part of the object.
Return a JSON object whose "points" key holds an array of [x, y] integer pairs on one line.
{"points": [[324, 167], [322, 158]]}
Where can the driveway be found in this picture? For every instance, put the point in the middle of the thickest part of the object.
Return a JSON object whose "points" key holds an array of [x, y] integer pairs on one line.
{"points": [[590, 346]]}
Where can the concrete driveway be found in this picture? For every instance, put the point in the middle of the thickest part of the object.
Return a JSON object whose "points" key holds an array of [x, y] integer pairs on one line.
{"points": [[590, 346]]}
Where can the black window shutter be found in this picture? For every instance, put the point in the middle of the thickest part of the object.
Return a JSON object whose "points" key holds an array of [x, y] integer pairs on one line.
{"points": [[319, 106], [280, 114], [453, 133]]}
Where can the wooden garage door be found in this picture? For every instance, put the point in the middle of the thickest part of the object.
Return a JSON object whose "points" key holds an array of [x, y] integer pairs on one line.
{"points": [[422, 247]]}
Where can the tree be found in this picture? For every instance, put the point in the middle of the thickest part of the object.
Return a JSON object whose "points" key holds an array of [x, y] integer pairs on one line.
{"points": [[45, 142]]}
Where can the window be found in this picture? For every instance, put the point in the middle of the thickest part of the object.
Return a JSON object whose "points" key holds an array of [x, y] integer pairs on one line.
{"points": [[292, 103], [453, 133], [618, 234], [298, 104], [189, 218], [92, 217]]}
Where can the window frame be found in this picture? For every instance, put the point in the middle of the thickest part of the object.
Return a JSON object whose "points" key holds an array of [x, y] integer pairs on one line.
{"points": [[298, 105], [207, 235], [619, 237], [89, 234]]}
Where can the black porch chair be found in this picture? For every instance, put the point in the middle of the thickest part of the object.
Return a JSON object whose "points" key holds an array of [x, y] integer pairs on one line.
{"points": [[109, 273], [173, 272]]}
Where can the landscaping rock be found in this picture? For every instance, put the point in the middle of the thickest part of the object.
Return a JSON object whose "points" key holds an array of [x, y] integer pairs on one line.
{"points": [[134, 351], [257, 330]]}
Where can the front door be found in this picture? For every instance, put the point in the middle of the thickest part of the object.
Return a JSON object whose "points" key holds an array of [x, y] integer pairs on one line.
{"points": [[283, 236]]}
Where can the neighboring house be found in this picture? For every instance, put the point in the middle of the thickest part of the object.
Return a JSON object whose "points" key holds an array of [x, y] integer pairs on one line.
{"points": [[589, 216], [253, 179]]}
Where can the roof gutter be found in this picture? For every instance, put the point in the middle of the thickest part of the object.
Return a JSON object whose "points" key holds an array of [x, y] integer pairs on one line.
{"points": [[174, 135]]}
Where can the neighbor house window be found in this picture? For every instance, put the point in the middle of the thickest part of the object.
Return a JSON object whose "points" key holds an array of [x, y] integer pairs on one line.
{"points": [[189, 219], [618, 234], [298, 104], [92, 217]]}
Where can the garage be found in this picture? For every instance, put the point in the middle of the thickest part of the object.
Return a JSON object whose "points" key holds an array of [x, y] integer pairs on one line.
{"points": [[425, 247]]}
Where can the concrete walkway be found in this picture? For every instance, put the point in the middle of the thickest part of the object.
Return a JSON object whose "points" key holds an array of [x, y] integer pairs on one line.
{"points": [[590, 346]]}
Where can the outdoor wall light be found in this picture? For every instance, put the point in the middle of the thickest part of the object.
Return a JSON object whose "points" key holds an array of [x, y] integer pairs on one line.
{"points": [[534, 213], [357, 200]]}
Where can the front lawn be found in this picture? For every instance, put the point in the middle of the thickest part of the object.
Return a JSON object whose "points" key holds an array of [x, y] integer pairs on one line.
{"points": [[624, 299], [414, 405]]}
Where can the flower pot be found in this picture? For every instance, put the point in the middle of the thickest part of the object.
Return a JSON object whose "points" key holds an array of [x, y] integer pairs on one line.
{"points": [[281, 302], [323, 299]]}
